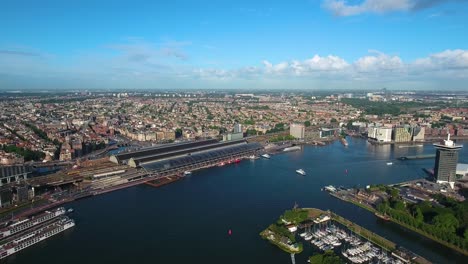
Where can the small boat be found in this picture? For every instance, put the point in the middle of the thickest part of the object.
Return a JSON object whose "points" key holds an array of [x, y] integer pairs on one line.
{"points": [[389, 163], [187, 173], [382, 216], [301, 172], [253, 157], [330, 188], [70, 210], [266, 156]]}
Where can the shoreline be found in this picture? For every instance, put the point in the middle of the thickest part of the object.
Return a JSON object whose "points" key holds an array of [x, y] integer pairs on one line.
{"points": [[388, 218]]}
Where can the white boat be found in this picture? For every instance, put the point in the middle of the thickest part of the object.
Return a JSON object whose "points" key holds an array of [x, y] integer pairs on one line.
{"points": [[35, 236], [266, 156], [389, 163], [253, 157], [28, 223], [70, 210], [301, 172], [187, 173], [330, 188]]}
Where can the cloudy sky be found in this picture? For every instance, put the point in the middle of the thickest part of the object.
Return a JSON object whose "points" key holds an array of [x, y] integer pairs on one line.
{"points": [[297, 44]]}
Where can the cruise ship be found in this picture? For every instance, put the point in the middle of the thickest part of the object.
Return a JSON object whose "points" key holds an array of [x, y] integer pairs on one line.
{"points": [[266, 156], [301, 172], [35, 236], [30, 222]]}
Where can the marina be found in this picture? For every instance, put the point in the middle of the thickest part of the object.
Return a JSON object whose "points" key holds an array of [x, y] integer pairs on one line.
{"points": [[327, 231]]}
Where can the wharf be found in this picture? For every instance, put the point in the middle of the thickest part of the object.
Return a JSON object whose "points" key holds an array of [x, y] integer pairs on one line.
{"points": [[158, 182], [428, 156]]}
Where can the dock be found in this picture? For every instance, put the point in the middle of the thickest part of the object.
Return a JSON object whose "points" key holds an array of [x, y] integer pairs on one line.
{"points": [[428, 156]]}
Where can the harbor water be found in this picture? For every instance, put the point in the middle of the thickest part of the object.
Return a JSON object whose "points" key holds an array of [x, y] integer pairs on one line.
{"points": [[215, 215]]}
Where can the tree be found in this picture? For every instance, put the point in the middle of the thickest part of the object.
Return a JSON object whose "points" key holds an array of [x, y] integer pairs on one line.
{"points": [[178, 133], [419, 215], [446, 221], [307, 123]]}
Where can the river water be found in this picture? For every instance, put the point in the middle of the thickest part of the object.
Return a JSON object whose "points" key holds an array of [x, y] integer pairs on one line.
{"points": [[188, 221]]}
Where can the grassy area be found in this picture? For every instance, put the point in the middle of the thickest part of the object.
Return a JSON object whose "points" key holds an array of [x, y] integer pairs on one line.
{"points": [[276, 240]]}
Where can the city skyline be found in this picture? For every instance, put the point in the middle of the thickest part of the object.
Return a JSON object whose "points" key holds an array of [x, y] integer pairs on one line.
{"points": [[405, 44]]}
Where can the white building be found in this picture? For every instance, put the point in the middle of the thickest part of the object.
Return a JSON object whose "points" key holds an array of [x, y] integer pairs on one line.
{"points": [[384, 134], [297, 130], [237, 128]]}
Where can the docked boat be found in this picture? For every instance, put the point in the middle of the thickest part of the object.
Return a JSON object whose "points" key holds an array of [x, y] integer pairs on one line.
{"points": [[187, 173], [293, 148], [301, 172], [30, 222], [36, 236], [266, 156], [70, 210], [382, 216], [253, 157]]}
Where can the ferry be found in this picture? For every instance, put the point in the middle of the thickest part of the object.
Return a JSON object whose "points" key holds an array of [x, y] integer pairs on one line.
{"points": [[28, 223], [36, 236], [266, 156], [301, 172]]}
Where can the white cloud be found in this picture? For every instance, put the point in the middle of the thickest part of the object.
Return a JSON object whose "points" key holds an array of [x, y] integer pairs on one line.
{"points": [[138, 65], [379, 62], [448, 59], [343, 8]]}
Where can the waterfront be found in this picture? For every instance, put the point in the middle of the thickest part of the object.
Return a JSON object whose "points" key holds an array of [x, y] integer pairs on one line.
{"points": [[188, 221]]}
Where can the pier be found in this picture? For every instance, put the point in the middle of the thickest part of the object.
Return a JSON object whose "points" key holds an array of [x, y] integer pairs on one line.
{"points": [[428, 156]]}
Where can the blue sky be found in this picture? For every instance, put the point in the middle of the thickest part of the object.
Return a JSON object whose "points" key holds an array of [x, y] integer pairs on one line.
{"points": [[303, 44]]}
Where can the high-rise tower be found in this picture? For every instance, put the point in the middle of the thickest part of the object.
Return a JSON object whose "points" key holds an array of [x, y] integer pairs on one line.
{"points": [[446, 162]]}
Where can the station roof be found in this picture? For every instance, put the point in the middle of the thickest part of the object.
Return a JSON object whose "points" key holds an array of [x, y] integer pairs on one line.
{"points": [[120, 158], [195, 158]]}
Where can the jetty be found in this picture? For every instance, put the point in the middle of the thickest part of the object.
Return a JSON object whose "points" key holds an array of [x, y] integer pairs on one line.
{"points": [[428, 156]]}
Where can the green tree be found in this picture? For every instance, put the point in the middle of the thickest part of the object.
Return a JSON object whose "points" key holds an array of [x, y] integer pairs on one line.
{"points": [[307, 123], [419, 215], [446, 221]]}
